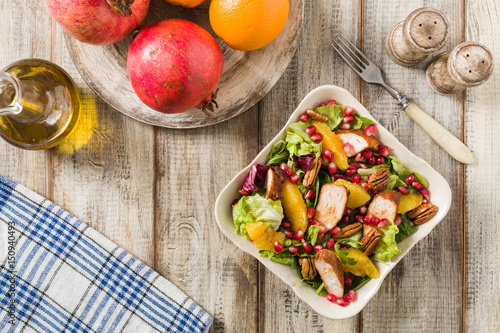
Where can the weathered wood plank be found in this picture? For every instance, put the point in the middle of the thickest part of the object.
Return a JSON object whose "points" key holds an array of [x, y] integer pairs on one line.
{"points": [[25, 40], [424, 291], [314, 64], [192, 168], [482, 298]]}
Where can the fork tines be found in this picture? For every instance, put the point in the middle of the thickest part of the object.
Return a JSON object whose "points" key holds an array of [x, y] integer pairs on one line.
{"points": [[351, 54]]}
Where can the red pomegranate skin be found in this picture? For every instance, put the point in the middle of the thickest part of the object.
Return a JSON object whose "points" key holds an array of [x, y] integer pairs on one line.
{"points": [[174, 65], [94, 21]]}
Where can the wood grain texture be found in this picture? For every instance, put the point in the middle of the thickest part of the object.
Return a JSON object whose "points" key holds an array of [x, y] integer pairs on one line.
{"points": [[314, 64], [424, 291], [246, 76], [25, 40], [482, 253], [192, 168]]}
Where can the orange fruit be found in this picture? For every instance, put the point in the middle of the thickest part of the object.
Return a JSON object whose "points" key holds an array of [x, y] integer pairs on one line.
{"points": [[333, 143], [294, 206], [363, 267], [358, 196], [263, 237], [247, 25], [408, 202], [186, 3]]}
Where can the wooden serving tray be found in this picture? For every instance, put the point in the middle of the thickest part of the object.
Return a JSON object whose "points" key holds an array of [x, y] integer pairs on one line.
{"points": [[246, 78]]}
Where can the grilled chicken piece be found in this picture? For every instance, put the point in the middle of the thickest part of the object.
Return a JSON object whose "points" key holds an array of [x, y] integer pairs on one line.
{"points": [[331, 205], [385, 205], [330, 269], [275, 178], [358, 139]]}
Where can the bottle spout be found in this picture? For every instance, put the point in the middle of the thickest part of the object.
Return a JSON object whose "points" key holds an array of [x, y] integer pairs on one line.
{"points": [[10, 95]]}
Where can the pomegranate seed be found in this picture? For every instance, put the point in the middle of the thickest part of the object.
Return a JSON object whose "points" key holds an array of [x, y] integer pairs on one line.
{"points": [[317, 137], [310, 193], [322, 104], [348, 110], [383, 150], [351, 296], [331, 102], [294, 179], [347, 281], [374, 192], [375, 221], [380, 160], [313, 222], [367, 154], [348, 119], [337, 176], [347, 148], [335, 231], [328, 155], [345, 219], [321, 236], [397, 220], [371, 160], [417, 186], [367, 219], [425, 193], [310, 212], [344, 126], [410, 179], [310, 130], [289, 172], [353, 165], [403, 189], [356, 179], [348, 211], [332, 168], [285, 224], [425, 201], [299, 235], [331, 298], [383, 223], [322, 229], [362, 210], [278, 247], [330, 243], [317, 247], [342, 301], [307, 247], [235, 201], [289, 234], [350, 171], [359, 218], [304, 117], [284, 166], [365, 185], [370, 129], [360, 158], [363, 166], [244, 192], [293, 249]]}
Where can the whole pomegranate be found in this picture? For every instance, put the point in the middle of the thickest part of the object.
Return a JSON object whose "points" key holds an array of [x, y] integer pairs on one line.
{"points": [[99, 22], [175, 65]]}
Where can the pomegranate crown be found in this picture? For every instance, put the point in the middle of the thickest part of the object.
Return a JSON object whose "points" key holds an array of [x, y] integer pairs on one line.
{"points": [[121, 6]]}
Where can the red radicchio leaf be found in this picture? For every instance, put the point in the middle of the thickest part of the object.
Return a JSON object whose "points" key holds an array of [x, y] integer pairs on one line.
{"points": [[257, 174], [305, 161]]}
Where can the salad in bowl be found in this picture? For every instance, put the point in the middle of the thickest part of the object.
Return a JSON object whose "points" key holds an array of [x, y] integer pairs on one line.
{"points": [[332, 203]]}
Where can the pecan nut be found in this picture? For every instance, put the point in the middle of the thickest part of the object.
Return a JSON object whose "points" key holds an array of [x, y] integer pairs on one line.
{"points": [[371, 240], [312, 172], [349, 230], [317, 116], [308, 269], [422, 213], [379, 179]]}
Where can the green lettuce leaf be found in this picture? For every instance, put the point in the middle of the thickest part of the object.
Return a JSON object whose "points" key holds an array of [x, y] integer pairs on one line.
{"points": [[285, 257], [360, 122], [406, 228], [312, 233], [353, 240], [252, 209], [298, 142], [394, 182], [403, 172], [387, 246], [369, 171], [279, 154], [335, 113]]}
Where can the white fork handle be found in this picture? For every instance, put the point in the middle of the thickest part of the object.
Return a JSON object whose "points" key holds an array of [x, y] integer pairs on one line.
{"points": [[441, 135]]}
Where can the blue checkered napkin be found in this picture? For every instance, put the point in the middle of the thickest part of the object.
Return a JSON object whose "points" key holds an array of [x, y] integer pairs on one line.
{"points": [[59, 275]]}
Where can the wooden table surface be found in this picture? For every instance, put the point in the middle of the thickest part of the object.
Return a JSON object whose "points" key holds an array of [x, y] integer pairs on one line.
{"points": [[152, 190]]}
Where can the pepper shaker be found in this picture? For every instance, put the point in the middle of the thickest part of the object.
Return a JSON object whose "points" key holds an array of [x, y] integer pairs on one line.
{"points": [[425, 31], [467, 65]]}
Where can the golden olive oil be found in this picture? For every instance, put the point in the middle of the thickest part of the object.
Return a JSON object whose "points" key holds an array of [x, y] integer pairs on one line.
{"points": [[50, 105]]}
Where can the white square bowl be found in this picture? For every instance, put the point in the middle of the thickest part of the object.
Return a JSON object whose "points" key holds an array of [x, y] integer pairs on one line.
{"points": [[438, 186]]}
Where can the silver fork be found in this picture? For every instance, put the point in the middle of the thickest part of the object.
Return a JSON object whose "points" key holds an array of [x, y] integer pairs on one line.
{"points": [[371, 73]]}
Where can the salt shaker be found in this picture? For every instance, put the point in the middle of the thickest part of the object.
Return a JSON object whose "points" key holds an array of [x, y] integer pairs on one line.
{"points": [[467, 65], [425, 31]]}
